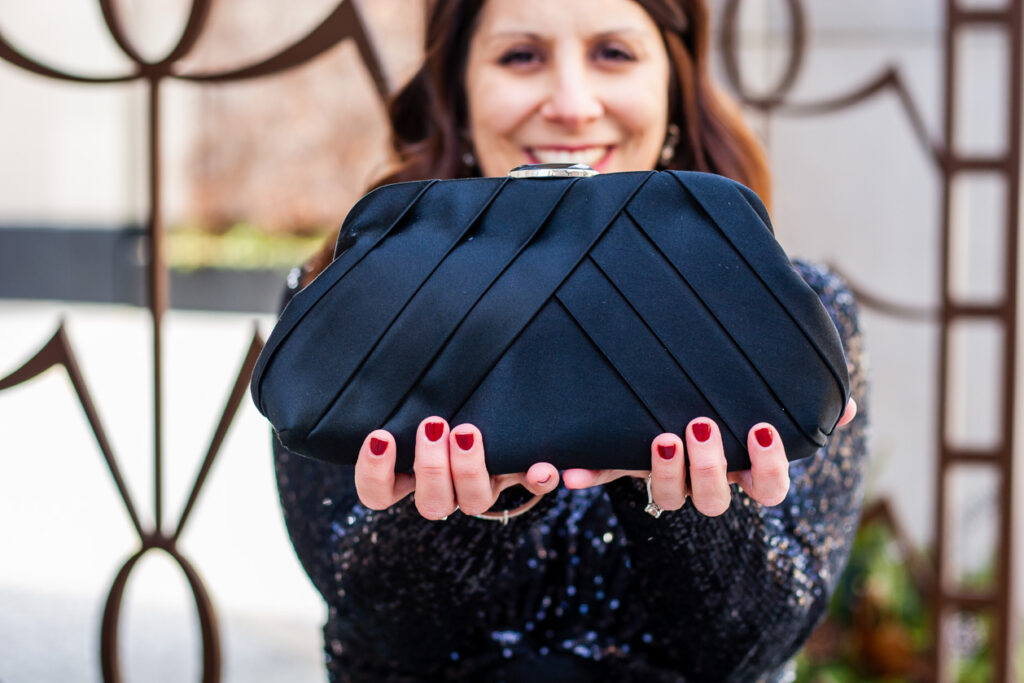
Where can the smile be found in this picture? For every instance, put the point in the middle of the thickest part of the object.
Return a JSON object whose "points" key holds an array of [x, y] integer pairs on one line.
{"points": [[593, 156]]}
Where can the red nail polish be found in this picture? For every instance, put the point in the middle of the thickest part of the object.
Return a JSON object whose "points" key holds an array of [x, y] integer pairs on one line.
{"points": [[433, 430], [667, 451], [465, 441], [378, 446], [702, 431], [764, 437]]}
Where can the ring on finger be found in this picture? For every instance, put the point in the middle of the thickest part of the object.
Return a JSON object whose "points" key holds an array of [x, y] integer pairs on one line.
{"points": [[653, 509]]}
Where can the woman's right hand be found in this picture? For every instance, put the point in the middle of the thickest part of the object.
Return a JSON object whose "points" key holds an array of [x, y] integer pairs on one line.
{"points": [[448, 472]]}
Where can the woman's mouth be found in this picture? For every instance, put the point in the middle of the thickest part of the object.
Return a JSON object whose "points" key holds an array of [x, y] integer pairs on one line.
{"points": [[594, 156]]}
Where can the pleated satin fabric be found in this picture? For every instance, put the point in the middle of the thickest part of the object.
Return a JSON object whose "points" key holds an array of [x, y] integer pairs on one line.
{"points": [[571, 319]]}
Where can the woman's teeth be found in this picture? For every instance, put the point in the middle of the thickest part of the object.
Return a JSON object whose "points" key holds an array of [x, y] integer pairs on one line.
{"points": [[589, 155]]}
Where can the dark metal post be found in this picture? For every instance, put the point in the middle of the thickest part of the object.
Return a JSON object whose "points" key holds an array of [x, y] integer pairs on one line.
{"points": [[947, 598]]}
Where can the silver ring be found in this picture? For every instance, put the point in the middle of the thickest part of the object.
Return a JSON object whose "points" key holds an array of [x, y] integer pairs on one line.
{"points": [[653, 509], [506, 515]]}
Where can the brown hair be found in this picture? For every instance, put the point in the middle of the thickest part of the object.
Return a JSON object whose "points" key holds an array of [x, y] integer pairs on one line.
{"points": [[429, 113]]}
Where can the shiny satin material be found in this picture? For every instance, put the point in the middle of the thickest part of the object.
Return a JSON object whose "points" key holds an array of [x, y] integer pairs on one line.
{"points": [[572, 320]]}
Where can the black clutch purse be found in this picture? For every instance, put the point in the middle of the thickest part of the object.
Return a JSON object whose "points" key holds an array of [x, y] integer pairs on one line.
{"points": [[572, 319]]}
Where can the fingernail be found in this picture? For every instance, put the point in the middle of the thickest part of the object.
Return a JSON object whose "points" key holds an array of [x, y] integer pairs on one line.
{"points": [[667, 451], [378, 446], [465, 441], [545, 480], [434, 430], [702, 431], [764, 437]]}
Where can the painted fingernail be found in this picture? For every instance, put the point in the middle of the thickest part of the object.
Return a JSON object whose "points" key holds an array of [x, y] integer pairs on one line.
{"points": [[764, 437], [378, 446], [433, 430], [702, 431], [465, 441], [667, 451]]}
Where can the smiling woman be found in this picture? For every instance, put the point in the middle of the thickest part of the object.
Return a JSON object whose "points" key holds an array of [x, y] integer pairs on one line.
{"points": [[589, 581], [548, 84]]}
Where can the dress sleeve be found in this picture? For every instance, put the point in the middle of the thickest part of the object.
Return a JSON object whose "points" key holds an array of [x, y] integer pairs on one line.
{"points": [[735, 596], [402, 591]]}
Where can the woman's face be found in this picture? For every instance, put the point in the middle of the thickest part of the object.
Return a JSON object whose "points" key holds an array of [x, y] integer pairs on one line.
{"points": [[567, 81]]}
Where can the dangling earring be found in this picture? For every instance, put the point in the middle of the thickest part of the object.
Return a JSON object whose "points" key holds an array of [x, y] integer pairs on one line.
{"points": [[468, 158], [668, 150]]}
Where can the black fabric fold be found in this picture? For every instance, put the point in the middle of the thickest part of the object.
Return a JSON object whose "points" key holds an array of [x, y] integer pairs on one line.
{"points": [[572, 320]]}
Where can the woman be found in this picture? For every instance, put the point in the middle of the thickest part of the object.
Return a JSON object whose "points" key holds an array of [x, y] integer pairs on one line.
{"points": [[583, 585]]}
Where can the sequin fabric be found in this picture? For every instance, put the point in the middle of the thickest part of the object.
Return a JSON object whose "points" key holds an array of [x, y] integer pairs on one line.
{"points": [[586, 585]]}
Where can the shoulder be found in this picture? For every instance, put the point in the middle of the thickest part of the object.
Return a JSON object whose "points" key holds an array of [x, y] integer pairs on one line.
{"points": [[834, 292], [838, 299], [827, 283]]}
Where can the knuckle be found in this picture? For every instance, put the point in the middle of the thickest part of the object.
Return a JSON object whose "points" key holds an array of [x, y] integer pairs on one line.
{"points": [[707, 466], [666, 476], [463, 468], [773, 470], [378, 478], [431, 469]]}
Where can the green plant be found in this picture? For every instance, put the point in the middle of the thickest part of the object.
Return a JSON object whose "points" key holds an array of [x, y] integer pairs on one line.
{"points": [[243, 246], [878, 626]]}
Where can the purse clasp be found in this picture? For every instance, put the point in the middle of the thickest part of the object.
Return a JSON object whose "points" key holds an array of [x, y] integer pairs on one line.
{"points": [[552, 171]]}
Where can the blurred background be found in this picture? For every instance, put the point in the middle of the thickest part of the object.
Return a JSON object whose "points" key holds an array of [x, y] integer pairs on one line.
{"points": [[256, 172]]}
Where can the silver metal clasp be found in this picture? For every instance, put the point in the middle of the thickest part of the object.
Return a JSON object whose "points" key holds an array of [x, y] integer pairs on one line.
{"points": [[552, 171]]}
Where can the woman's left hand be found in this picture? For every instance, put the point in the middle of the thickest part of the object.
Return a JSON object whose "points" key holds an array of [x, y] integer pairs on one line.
{"points": [[767, 480]]}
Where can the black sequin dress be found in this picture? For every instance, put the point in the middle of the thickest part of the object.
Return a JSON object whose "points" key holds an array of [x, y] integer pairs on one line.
{"points": [[586, 585]]}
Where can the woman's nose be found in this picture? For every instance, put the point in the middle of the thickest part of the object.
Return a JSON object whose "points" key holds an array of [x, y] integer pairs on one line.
{"points": [[572, 101]]}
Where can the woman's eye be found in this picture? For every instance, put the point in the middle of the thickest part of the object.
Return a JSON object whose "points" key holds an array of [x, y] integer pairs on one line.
{"points": [[519, 56], [613, 53]]}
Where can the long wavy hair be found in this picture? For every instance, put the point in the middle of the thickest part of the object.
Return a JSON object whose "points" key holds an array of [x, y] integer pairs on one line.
{"points": [[429, 114]]}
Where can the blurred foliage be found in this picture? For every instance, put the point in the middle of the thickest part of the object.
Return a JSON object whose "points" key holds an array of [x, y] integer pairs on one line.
{"points": [[878, 626], [242, 246]]}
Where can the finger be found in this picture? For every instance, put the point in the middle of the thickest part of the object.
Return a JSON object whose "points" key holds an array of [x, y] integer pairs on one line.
{"points": [[541, 478], [741, 477], [848, 414], [435, 497], [579, 478], [769, 467], [377, 485], [469, 472], [706, 462], [667, 472]]}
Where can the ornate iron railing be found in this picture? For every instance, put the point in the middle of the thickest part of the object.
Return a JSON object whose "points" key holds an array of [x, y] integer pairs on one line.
{"points": [[345, 22], [952, 165]]}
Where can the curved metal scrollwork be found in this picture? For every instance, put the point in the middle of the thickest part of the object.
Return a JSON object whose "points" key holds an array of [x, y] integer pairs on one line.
{"points": [[730, 54], [777, 102], [343, 22], [1006, 165]]}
